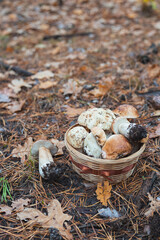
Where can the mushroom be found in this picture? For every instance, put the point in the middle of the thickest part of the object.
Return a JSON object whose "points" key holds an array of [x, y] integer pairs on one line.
{"points": [[134, 132], [97, 117], [115, 147], [44, 150], [99, 134], [91, 147], [127, 111], [76, 136]]}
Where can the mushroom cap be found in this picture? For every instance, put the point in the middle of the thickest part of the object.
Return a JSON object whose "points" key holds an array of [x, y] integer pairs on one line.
{"points": [[91, 147], [43, 143], [115, 147], [76, 136], [96, 117], [117, 122], [99, 134], [127, 111]]}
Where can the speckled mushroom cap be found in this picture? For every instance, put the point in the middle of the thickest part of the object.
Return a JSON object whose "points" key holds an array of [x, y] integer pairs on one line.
{"points": [[43, 143], [127, 111], [97, 117], [76, 136]]}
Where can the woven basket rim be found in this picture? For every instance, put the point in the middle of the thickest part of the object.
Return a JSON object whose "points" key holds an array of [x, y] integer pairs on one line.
{"points": [[100, 160]]}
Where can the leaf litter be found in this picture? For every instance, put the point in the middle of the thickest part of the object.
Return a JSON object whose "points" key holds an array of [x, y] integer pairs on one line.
{"points": [[116, 51]]}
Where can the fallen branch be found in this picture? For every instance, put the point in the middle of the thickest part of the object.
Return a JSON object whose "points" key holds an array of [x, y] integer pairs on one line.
{"points": [[57, 36], [18, 70]]}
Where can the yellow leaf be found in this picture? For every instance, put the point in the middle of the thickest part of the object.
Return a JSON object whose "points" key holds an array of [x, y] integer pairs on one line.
{"points": [[103, 192]]}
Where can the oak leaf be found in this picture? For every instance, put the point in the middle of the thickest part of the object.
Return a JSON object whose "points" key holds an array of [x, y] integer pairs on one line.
{"points": [[72, 112], [47, 84], [18, 84], [15, 106], [43, 74], [20, 203], [103, 87], [72, 87], [59, 145], [103, 192], [5, 209], [55, 218], [23, 152], [154, 206]]}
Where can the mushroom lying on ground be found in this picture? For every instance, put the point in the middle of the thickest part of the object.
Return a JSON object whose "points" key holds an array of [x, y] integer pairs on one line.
{"points": [[99, 134], [45, 150], [134, 132], [97, 117], [127, 111], [91, 147], [115, 147], [76, 136]]}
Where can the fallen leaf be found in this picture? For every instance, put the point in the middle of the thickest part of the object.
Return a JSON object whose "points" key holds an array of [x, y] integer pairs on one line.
{"points": [[43, 74], [154, 132], [156, 113], [18, 84], [15, 106], [157, 25], [154, 206], [153, 71], [73, 112], [59, 145], [20, 203], [103, 192], [55, 218], [55, 50], [47, 84], [4, 98], [5, 209], [103, 87], [71, 87], [23, 152]]}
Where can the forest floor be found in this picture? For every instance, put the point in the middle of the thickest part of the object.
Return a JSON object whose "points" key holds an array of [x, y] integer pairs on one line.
{"points": [[94, 54]]}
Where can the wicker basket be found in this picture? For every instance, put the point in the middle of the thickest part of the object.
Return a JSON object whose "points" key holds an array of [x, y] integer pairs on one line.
{"points": [[98, 170]]}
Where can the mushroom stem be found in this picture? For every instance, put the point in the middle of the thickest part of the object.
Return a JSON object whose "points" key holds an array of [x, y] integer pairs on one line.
{"points": [[45, 162], [134, 132]]}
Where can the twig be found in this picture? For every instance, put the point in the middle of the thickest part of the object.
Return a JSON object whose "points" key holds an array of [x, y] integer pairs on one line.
{"points": [[57, 36], [18, 70]]}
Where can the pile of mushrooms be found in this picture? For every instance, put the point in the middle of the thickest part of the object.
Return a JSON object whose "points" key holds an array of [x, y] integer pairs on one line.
{"points": [[102, 133]]}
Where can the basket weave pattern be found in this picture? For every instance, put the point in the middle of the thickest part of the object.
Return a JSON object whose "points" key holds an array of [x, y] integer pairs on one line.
{"points": [[98, 170]]}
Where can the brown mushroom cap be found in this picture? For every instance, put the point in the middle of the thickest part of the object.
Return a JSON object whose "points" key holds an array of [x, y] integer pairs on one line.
{"points": [[127, 111], [115, 147]]}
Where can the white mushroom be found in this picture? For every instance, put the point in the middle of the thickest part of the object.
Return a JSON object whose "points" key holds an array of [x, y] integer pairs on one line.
{"points": [[134, 132], [99, 134], [44, 150], [97, 117], [115, 147], [91, 147], [76, 136]]}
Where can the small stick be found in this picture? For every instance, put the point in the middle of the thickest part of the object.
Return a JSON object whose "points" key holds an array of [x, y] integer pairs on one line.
{"points": [[18, 70], [57, 36]]}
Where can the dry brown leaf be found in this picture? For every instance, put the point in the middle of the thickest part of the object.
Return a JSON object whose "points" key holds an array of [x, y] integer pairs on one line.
{"points": [[43, 74], [153, 71], [154, 132], [55, 218], [73, 112], [154, 206], [103, 192], [71, 87], [5, 209], [47, 84], [23, 152], [20, 203], [15, 106], [18, 84], [103, 87], [55, 50], [59, 145]]}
